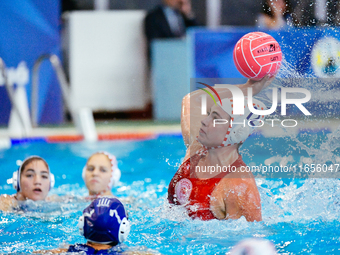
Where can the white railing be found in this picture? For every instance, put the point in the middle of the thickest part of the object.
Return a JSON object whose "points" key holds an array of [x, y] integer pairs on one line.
{"points": [[14, 103], [82, 118]]}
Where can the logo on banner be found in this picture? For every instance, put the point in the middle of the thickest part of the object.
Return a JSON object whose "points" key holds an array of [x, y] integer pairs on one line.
{"points": [[325, 59]]}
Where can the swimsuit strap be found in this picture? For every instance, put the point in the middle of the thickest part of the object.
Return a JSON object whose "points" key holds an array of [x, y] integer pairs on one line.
{"points": [[203, 152]]}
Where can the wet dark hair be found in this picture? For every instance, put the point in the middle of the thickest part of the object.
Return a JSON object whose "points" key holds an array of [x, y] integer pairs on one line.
{"points": [[32, 159], [266, 9]]}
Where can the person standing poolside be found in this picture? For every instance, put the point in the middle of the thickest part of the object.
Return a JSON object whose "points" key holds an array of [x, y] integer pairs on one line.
{"points": [[32, 180], [100, 174], [218, 195], [168, 20], [275, 15]]}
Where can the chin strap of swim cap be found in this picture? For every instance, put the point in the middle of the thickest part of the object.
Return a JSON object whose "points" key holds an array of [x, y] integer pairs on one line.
{"points": [[115, 172], [16, 174], [240, 126]]}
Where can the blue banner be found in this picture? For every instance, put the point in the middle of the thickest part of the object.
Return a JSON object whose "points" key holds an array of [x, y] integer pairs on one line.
{"points": [[307, 53], [213, 53], [28, 29]]}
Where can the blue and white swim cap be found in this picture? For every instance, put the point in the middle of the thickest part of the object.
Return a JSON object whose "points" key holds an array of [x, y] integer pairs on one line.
{"points": [[105, 221]]}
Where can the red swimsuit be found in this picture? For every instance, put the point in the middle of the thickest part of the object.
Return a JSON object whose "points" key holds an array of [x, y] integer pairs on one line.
{"points": [[195, 193]]}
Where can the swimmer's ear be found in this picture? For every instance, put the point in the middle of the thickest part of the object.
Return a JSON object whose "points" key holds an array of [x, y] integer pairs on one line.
{"points": [[15, 180], [52, 181], [124, 230], [83, 173]]}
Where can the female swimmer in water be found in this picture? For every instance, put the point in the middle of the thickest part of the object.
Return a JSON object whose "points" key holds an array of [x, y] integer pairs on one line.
{"points": [[32, 180], [223, 194], [100, 174]]}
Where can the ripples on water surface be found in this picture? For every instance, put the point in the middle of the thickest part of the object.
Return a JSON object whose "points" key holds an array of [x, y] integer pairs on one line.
{"points": [[301, 216]]}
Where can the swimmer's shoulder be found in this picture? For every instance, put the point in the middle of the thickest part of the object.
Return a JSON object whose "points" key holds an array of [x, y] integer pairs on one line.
{"points": [[235, 186], [7, 202], [237, 195], [240, 173]]}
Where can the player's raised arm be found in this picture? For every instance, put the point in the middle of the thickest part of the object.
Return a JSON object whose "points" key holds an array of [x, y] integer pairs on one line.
{"points": [[191, 115]]}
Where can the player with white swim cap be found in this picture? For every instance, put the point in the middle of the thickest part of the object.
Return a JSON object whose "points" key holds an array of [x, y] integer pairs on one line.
{"points": [[32, 181], [254, 246], [100, 174], [217, 194]]}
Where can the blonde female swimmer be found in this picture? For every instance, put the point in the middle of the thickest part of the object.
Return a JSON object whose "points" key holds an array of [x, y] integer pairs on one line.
{"points": [[32, 180], [100, 174], [217, 195]]}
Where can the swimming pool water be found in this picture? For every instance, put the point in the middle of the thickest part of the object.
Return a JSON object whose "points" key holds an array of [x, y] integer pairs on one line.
{"points": [[301, 216]]}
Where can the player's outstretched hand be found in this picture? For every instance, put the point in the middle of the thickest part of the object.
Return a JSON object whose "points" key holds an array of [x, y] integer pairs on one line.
{"points": [[261, 84]]}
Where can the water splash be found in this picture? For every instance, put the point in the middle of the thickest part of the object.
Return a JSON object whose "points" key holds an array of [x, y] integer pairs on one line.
{"points": [[297, 213]]}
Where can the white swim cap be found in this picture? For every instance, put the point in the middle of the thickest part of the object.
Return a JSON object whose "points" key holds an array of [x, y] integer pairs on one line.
{"points": [[237, 132], [254, 246]]}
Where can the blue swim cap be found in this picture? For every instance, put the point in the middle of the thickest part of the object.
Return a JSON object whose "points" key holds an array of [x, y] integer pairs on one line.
{"points": [[105, 221]]}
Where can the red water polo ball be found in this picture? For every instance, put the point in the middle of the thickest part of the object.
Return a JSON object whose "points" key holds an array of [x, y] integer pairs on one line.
{"points": [[257, 54]]}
